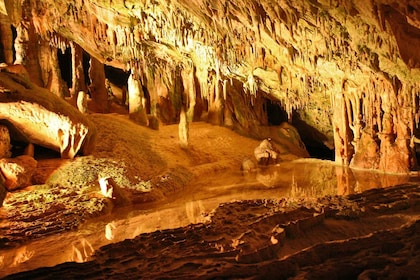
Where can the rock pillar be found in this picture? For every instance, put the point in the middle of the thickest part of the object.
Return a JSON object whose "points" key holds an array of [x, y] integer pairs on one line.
{"points": [[342, 133], [215, 99], [98, 92], [183, 129], [136, 99], [78, 74], [51, 72], [26, 45], [6, 40], [189, 92]]}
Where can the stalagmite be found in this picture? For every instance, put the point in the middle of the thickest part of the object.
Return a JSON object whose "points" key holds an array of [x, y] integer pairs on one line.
{"points": [[82, 102], [227, 113], [183, 129], [136, 99]]}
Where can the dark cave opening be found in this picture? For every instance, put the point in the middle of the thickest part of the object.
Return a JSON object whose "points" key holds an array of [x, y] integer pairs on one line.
{"points": [[311, 137], [86, 65], [64, 61], [3, 48], [275, 113], [116, 76]]}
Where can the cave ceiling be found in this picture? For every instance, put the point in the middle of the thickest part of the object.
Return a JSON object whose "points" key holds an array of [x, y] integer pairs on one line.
{"points": [[348, 68]]}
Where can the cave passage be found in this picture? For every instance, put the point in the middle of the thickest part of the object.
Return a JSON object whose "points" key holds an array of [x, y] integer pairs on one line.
{"points": [[64, 61], [310, 136]]}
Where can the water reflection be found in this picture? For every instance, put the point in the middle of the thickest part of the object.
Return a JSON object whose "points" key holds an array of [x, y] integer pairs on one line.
{"points": [[109, 231], [316, 178], [304, 178], [82, 250]]}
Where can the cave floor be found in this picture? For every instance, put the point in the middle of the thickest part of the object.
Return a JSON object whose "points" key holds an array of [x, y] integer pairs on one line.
{"points": [[204, 218]]}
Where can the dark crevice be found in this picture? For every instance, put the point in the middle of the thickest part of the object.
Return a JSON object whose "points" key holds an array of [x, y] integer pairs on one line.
{"points": [[64, 61], [275, 113], [313, 139]]}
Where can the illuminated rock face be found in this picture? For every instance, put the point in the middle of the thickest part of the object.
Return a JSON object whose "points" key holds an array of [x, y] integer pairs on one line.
{"points": [[17, 171], [41, 118], [349, 69]]}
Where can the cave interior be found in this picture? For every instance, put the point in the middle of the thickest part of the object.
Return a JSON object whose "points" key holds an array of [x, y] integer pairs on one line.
{"points": [[209, 139]]}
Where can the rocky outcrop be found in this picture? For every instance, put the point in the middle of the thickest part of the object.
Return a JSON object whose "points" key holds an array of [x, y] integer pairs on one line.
{"points": [[18, 171], [38, 116]]}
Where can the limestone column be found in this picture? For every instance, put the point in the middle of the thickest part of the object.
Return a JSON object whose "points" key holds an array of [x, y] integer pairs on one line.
{"points": [[215, 100], [98, 92], [26, 45], [189, 92], [136, 99], [342, 140], [183, 127], [397, 154], [78, 74], [6, 40], [227, 113], [50, 69]]}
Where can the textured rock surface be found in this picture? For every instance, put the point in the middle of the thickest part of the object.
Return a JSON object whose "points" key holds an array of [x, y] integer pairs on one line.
{"points": [[373, 234], [18, 171], [44, 119], [4, 142]]}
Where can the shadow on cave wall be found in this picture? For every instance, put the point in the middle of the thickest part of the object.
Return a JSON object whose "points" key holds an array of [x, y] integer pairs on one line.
{"points": [[311, 137]]}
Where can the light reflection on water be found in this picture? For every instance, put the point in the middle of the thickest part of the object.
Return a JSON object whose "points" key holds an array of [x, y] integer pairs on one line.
{"points": [[300, 179]]}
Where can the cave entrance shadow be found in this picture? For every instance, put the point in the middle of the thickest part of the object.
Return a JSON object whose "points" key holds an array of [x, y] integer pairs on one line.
{"points": [[312, 138]]}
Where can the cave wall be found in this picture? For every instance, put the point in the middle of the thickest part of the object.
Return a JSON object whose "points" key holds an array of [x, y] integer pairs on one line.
{"points": [[349, 69]]}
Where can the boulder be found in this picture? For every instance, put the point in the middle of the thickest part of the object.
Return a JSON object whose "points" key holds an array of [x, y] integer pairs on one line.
{"points": [[42, 118], [17, 171]]}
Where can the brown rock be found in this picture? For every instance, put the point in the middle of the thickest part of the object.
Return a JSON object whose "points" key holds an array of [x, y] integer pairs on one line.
{"points": [[4, 142], [3, 190], [17, 171]]}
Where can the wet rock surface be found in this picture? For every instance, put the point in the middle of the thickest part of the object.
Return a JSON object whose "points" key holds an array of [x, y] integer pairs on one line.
{"points": [[374, 234]]}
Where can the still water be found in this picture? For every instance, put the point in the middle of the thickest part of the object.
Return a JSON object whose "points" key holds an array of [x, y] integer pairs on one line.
{"points": [[307, 178]]}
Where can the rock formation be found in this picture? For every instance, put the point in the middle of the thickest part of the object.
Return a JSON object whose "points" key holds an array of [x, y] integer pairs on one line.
{"points": [[40, 117], [17, 171], [4, 142], [348, 69]]}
